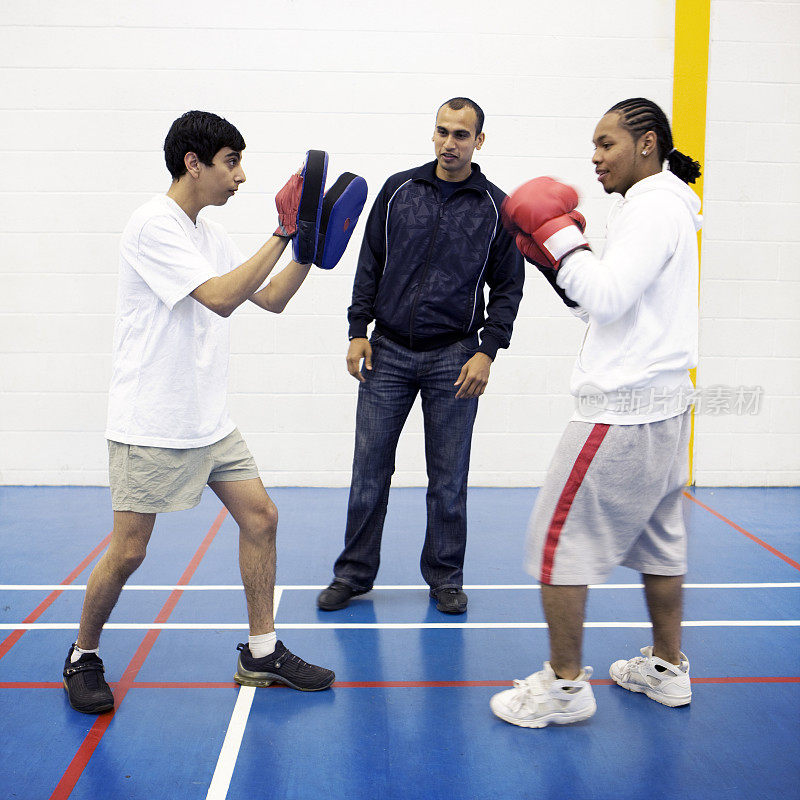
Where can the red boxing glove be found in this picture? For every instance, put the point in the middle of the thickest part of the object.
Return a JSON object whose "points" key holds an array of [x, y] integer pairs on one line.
{"points": [[530, 250], [287, 201], [578, 219], [537, 202], [559, 237], [536, 254]]}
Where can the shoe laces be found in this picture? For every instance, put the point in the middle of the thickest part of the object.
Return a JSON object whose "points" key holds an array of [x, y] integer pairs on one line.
{"points": [[90, 668], [91, 679], [633, 664], [288, 657], [527, 691]]}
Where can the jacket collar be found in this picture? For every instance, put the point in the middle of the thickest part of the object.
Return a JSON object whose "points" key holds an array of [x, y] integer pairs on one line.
{"points": [[427, 173]]}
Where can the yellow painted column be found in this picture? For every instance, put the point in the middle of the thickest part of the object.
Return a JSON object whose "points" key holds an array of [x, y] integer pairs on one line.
{"points": [[689, 96]]}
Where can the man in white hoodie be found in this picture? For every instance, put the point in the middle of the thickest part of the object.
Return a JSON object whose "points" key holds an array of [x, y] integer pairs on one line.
{"points": [[613, 492]]}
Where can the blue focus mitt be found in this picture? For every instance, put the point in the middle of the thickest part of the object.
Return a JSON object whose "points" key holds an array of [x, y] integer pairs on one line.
{"points": [[309, 211], [341, 209]]}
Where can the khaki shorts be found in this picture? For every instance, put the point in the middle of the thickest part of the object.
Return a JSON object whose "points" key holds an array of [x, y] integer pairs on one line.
{"points": [[151, 480]]}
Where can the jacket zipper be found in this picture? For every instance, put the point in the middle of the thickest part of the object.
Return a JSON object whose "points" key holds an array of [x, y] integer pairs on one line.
{"points": [[423, 276]]}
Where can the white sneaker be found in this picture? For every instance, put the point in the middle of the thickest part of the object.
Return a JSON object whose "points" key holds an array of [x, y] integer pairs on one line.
{"points": [[542, 698], [659, 680]]}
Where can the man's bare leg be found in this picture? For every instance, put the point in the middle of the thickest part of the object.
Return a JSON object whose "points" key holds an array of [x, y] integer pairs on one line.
{"points": [[564, 609], [257, 518], [126, 552], [664, 594]]}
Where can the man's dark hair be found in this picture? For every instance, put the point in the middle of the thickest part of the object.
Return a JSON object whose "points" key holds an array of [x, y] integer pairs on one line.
{"points": [[199, 132], [457, 103]]}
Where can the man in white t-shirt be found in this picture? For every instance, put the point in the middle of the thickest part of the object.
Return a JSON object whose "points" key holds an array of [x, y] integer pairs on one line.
{"points": [[169, 432]]}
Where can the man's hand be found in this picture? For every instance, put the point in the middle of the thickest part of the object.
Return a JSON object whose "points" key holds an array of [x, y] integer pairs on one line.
{"points": [[474, 376], [287, 201], [359, 348]]}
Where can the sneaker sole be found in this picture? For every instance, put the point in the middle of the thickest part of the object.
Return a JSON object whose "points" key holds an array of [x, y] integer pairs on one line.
{"points": [[543, 722], [92, 709], [270, 678], [665, 700]]}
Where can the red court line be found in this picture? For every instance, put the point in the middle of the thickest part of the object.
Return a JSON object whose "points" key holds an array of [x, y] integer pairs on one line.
{"points": [[789, 561], [747, 680], [381, 684], [15, 636], [478, 684], [95, 734], [185, 685]]}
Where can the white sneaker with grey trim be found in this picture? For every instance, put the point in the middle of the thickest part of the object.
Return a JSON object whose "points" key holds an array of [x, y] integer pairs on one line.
{"points": [[542, 699], [661, 681]]}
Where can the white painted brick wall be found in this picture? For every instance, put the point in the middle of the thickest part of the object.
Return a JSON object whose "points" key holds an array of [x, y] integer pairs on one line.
{"points": [[89, 91], [750, 292]]}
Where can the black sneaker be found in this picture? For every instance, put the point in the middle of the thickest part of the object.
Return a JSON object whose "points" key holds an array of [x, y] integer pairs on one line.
{"points": [[450, 601], [281, 667], [336, 596], [86, 687]]}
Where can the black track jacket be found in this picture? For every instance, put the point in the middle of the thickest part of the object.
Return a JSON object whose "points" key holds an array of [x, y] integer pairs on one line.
{"points": [[423, 265]]}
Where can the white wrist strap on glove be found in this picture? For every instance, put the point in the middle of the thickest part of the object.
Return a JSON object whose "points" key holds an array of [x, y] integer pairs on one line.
{"points": [[564, 241]]}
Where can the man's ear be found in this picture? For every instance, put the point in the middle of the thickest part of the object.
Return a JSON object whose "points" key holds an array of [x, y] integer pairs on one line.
{"points": [[479, 140], [192, 164], [648, 141]]}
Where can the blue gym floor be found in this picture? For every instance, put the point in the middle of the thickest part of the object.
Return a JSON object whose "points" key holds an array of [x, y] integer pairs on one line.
{"points": [[408, 716]]}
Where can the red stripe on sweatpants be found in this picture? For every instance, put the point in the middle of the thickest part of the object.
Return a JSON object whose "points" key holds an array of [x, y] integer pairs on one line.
{"points": [[37, 612], [95, 734], [574, 481]]}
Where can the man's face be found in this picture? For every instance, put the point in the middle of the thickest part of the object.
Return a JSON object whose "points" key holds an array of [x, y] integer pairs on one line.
{"points": [[220, 181], [615, 155], [454, 142]]}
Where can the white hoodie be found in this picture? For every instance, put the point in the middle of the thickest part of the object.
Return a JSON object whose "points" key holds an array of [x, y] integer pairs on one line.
{"points": [[640, 300]]}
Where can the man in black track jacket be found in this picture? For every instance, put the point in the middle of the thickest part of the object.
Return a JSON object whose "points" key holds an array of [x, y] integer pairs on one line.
{"points": [[433, 240]]}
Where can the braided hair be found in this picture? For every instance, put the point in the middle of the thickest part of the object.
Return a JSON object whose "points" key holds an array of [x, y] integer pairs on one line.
{"points": [[638, 116]]}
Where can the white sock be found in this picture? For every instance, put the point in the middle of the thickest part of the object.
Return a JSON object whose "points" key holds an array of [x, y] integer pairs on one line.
{"points": [[262, 645], [77, 653]]}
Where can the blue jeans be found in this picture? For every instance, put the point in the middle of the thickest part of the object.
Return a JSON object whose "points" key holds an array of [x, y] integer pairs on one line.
{"points": [[384, 402]]}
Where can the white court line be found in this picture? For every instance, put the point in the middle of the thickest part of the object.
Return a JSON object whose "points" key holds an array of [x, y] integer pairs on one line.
{"points": [[307, 626], [220, 783], [128, 626], [51, 587], [218, 790], [80, 587]]}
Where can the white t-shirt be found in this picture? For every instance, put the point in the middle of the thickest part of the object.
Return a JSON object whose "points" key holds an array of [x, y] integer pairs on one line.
{"points": [[640, 300], [170, 364]]}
